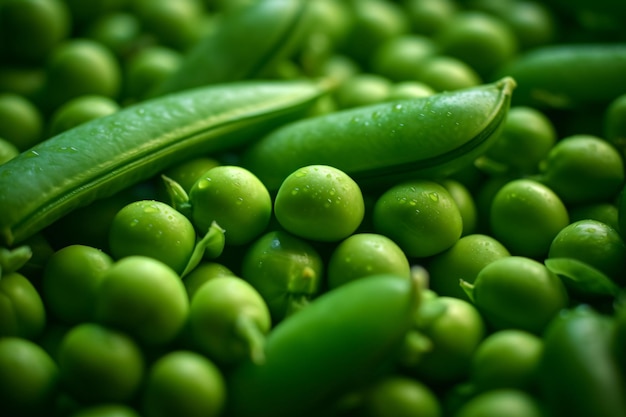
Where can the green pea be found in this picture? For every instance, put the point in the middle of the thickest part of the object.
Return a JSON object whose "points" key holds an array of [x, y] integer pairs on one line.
{"points": [[525, 216], [465, 203], [188, 172], [527, 137], [447, 73], [286, 270], [31, 29], [365, 254], [98, 364], [80, 110], [24, 81], [583, 169], [21, 122], [399, 58], [362, 90], [501, 402], [593, 243], [8, 151], [143, 297], [606, 213], [185, 384], [481, 40], [70, 282], [409, 89], [155, 229], [319, 202], [463, 260], [119, 31], [77, 67], [400, 396], [518, 292], [148, 68], [83, 13], [23, 313], [202, 273], [614, 123], [507, 358], [233, 197], [427, 17], [228, 321], [29, 377], [106, 410], [420, 216]]}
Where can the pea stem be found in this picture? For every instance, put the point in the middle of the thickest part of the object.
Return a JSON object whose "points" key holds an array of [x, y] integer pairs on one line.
{"points": [[13, 259], [468, 288], [249, 331], [179, 199], [211, 246]]}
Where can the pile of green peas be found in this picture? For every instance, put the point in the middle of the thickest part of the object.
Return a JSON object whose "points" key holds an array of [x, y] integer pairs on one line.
{"points": [[143, 304]]}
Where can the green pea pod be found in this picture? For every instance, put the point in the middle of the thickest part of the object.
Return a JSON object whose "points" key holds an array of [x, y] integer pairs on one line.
{"points": [[578, 373], [244, 44], [383, 143], [325, 350], [569, 76], [108, 154]]}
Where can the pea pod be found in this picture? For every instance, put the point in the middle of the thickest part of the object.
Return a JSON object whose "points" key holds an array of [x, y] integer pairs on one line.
{"points": [[321, 352], [105, 155], [569, 76], [381, 143], [243, 45], [578, 373]]}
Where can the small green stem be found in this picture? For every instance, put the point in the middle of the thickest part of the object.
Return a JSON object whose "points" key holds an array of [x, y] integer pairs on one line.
{"points": [[211, 245], [179, 199], [13, 259], [249, 332], [468, 287]]}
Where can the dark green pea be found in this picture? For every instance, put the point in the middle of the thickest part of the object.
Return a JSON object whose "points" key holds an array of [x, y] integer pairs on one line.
{"points": [[148, 68], [21, 122], [447, 73], [362, 90], [481, 40], [85, 13], [119, 31], [464, 260], [465, 203], [593, 243], [399, 58], [427, 17], [29, 377], [31, 29], [78, 67], [106, 410], [519, 293], [23, 313], [501, 402], [400, 396], [614, 123], [286, 270], [188, 172], [583, 169], [8, 151], [606, 213], [24, 81], [80, 110]]}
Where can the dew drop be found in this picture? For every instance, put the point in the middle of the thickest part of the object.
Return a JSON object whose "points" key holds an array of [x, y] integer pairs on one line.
{"points": [[434, 196]]}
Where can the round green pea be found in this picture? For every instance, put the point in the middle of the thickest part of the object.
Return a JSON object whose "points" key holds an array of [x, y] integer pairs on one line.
{"points": [[203, 273], [501, 402], [464, 260], [106, 410], [361, 90], [155, 229], [427, 17], [22, 311], [525, 216], [21, 122], [98, 364], [29, 377], [70, 282], [401, 396], [233, 197], [447, 73], [8, 151], [365, 254], [400, 57], [606, 213], [145, 70], [119, 31], [80, 110], [519, 293], [185, 384], [320, 203], [144, 298], [465, 202], [420, 216]]}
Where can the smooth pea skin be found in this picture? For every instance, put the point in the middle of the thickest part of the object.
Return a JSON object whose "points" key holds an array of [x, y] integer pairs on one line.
{"points": [[228, 321], [365, 254], [400, 396], [184, 384], [525, 216], [463, 260], [319, 202], [234, 198], [518, 292], [420, 216], [21, 122], [286, 270], [201, 274], [29, 377], [143, 297], [313, 359], [70, 282], [80, 110], [99, 364], [501, 402], [155, 229], [22, 311], [583, 169]]}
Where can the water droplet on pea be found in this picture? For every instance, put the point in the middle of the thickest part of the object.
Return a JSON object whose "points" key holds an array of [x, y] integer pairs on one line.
{"points": [[434, 196]]}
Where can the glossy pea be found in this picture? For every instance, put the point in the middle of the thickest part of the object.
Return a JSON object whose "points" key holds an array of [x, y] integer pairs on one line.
{"points": [[203, 273], [80, 110], [109, 154], [382, 143], [447, 73], [376, 312]]}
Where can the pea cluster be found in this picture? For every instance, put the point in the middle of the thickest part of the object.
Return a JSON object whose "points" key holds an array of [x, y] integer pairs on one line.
{"points": [[316, 208]]}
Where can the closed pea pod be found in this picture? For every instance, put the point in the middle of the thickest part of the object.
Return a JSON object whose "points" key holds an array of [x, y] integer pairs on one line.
{"points": [[312, 358], [108, 154], [378, 144]]}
